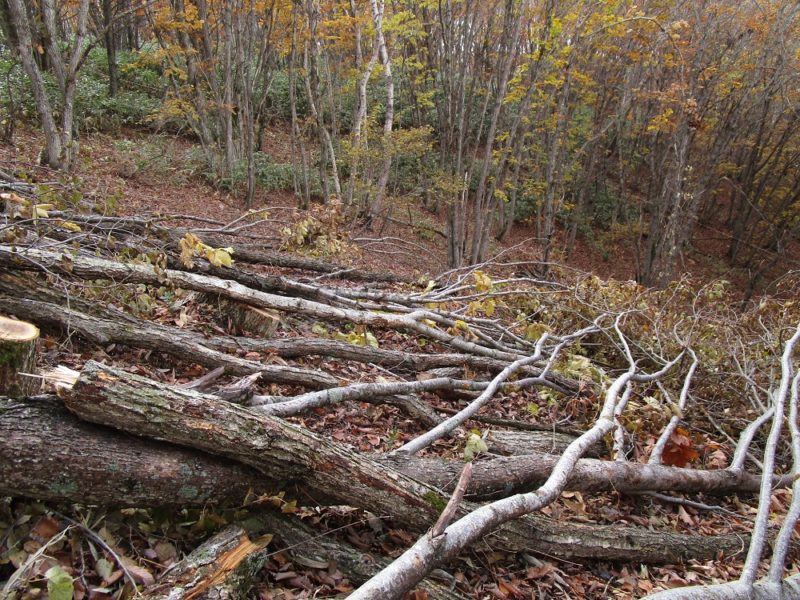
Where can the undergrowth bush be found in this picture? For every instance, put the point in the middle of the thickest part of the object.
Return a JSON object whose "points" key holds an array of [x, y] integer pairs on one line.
{"points": [[321, 232], [138, 94]]}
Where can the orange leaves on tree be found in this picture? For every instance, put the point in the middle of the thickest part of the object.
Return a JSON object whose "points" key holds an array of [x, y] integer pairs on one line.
{"points": [[680, 449]]}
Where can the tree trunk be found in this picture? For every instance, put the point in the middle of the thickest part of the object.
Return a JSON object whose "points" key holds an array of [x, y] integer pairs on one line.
{"points": [[17, 358], [43, 455], [383, 178], [111, 48], [130, 331]]}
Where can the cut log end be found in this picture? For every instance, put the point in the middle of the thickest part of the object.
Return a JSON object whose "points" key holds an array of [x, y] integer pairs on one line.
{"points": [[18, 358]]}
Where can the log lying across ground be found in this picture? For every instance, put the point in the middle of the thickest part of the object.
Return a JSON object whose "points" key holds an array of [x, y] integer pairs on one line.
{"points": [[292, 454], [180, 428], [100, 329], [122, 227], [48, 453], [98, 268], [119, 327]]}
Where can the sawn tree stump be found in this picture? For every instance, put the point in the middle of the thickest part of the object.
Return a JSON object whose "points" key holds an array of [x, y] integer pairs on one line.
{"points": [[17, 357]]}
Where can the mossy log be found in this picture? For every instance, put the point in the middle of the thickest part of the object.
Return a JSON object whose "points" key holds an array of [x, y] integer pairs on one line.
{"points": [[17, 358]]}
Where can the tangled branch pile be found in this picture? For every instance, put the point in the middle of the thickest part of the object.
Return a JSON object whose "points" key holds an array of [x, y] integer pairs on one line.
{"points": [[544, 387]]}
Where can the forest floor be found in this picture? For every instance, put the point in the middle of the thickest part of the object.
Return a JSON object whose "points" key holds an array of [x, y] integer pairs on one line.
{"points": [[145, 173], [138, 173]]}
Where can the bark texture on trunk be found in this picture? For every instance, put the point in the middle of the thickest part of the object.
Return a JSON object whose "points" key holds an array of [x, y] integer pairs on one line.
{"points": [[123, 329], [18, 358], [48, 453]]}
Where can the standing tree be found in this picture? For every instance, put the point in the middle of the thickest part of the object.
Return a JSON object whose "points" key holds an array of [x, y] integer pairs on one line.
{"points": [[64, 59]]}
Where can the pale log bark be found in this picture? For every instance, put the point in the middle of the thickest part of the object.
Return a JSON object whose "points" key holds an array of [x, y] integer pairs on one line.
{"points": [[761, 590], [504, 475], [430, 550], [88, 266]]}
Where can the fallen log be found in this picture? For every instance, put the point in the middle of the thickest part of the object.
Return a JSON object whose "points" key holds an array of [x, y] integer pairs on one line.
{"points": [[33, 291], [121, 328], [504, 475], [48, 454], [43, 454], [534, 442], [291, 454], [93, 267], [114, 326], [144, 225]]}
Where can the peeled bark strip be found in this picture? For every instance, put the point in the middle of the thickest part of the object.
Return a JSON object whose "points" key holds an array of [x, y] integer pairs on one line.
{"points": [[48, 454], [223, 567], [18, 358], [291, 454]]}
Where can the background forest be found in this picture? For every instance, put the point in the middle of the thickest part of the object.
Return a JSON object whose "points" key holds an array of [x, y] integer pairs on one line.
{"points": [[624, 124]]}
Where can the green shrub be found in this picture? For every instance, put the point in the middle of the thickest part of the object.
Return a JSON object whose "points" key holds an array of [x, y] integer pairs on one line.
{"points": [[270, 176], [16, 98], [138, 94], [278, 107]]}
